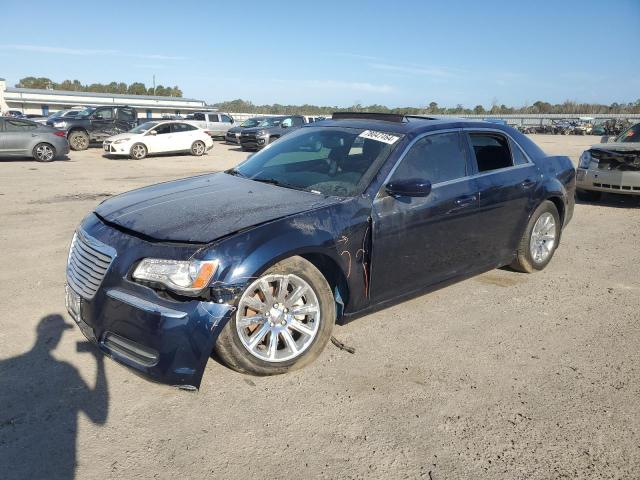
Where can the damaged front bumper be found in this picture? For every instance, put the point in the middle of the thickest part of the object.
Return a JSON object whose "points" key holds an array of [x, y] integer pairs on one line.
{"points": [[168, 340], [611, 181]]}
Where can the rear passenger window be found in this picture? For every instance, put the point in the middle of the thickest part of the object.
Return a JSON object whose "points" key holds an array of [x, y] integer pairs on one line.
{"points": [[212, 117], [18, 126], [199, 117], [297, 121], [492, 151], [182, 127], [518, 155], [225, 119], [437, 158]]}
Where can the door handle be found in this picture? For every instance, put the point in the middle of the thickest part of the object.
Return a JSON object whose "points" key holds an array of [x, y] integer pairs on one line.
{"points": [[466, 201], [528, 183]]}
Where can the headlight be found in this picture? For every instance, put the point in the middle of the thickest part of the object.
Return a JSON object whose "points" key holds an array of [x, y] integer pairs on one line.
{"points": [[122, 140], [188, 277], [261, 133], [585, 159]]}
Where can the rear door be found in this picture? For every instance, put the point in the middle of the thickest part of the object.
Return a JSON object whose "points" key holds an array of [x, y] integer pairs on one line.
{"points": [[421, 241], [182, 135], [126, 119], [506, 180], [18, 136]]}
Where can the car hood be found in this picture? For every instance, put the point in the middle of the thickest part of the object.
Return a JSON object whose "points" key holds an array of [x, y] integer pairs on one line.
{"points": [[618, 146], [204, 208], [235, 129], [120, 136]]}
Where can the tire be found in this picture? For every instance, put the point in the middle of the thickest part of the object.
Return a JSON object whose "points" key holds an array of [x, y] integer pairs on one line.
{"points": [[44, 152], [78, 140], [540, 238], [309, 331], [138, 151], [588, 195], [198, 148]]}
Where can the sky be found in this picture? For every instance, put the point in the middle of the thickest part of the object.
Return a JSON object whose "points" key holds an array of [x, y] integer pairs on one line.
{"points": [[337, 53]]}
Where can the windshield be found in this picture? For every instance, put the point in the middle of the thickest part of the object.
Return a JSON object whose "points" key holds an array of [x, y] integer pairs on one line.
{"points": [[85, 113], [145, 127], [327, 160], [252, 122], [630, 135], [269, 122]]}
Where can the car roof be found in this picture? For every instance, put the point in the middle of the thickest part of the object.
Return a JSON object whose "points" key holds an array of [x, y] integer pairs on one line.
{"points": [[408, 124]]}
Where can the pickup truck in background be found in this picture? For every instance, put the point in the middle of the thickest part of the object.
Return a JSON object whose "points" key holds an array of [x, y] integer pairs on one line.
{"points": [[94, 125], [215, 124]]}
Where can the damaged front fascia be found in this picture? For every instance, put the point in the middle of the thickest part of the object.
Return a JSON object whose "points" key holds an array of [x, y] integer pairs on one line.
{"points": [[629, 160]]}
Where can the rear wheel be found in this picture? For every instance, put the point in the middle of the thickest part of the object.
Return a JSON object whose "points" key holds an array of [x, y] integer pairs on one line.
{"points": [[588, 195], [540, 239], [44, 152], [283, 321], [138, 151], [78, 140], [198, 148]]}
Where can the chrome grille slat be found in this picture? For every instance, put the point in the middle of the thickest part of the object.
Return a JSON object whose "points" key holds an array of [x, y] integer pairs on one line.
{"points": [[88, 262]]}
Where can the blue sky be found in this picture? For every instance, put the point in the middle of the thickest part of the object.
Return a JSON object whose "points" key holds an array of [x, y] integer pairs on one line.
{"points": [[395, 53]]}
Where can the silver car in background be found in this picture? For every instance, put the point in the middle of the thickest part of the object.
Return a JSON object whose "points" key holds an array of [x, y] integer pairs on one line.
{"points": [[612, 167], [23, 138]]}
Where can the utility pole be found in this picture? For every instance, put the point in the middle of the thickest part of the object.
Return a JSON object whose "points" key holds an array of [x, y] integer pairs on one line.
{"points": [[154, 84]]}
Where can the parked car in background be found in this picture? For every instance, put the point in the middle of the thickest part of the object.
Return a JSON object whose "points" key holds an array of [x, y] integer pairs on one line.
{"points": [[612, 167], [216, 124], [159, 137], [233, 134], [269, 130], [95, 124], [24, 138], [14, 113], [333, 221]]}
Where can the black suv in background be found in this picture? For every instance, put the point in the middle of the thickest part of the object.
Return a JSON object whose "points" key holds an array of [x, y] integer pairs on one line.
{"points": [[93, 125], [269, 130]]}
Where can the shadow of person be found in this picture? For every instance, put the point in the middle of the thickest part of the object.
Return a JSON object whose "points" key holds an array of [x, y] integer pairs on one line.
{"points": [[40, 399]]}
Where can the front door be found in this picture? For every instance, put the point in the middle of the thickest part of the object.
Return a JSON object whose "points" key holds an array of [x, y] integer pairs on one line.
{"points": [[421, 241], [102, 124], [18, 136], [161, 140]]}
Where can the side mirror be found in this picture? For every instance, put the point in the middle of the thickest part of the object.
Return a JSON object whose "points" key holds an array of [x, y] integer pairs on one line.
{"points": [[413, 187], [284, 125], [153, 132]]}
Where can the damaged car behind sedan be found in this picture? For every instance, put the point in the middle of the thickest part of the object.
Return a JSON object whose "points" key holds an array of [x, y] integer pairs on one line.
{"points": [[336, 220], [610, 167]]}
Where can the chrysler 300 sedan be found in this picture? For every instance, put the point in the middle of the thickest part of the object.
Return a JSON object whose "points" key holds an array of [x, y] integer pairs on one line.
{"points": [[338, 219]]}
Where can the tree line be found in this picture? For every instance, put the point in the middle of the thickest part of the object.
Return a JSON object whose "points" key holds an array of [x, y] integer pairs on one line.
{"points": [[135, 88], [567, 107]]}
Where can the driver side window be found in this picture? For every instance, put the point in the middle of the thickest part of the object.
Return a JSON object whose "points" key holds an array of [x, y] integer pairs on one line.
{"points": [[437, 158], [103, 114], [163, 129]]}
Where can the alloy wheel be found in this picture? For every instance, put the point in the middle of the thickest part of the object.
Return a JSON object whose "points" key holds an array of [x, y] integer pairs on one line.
{"points": [[198, 148], [138, 151], [44, 153], [278, 317], [543, 238]]}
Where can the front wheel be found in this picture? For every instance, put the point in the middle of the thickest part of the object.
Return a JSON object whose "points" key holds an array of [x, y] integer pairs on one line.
{"points": [[540, 239], [78, 140], [198, 148], [138, 151], [283, 321], [44, 152]]}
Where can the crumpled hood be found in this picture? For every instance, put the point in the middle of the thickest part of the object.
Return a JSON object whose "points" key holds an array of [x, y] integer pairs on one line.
{"points": [[122, 135], [204, 208], [618, 146]]}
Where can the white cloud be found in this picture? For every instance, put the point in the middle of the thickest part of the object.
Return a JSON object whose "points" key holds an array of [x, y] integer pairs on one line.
{"points": [[84, 52], [353, 86], [438, 72]]}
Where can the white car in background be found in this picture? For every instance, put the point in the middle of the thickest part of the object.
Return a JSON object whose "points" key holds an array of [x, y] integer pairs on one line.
{"points": [[159, 137]]}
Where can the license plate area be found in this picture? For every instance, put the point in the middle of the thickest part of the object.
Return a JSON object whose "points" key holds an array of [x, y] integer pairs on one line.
{"points": [[74, 307]]}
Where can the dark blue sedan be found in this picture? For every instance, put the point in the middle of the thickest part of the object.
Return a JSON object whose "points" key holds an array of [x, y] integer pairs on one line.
{"points": [[336, 220]]}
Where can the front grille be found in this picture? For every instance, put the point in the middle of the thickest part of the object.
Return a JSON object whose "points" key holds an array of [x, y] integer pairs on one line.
{"points": [[89, 260]]}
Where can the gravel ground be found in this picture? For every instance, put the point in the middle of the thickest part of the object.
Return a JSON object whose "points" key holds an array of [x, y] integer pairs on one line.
{"points": [[505, 375]]}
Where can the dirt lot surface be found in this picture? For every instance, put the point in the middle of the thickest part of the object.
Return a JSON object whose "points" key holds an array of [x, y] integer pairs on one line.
{"points": [[506, 375]]}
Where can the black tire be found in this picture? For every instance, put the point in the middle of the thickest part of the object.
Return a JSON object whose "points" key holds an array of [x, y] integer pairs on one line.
{"points": [[44, 152], [198, 148], [588, 195], [232, 352], [524, 261], [78, 140], [138, 151]]}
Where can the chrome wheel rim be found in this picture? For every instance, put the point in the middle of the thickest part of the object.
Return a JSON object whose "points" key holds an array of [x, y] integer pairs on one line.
{"points": [[138, 151], [198, 148], [79, 141], [543, 238], [278, 317], [44, 152]]}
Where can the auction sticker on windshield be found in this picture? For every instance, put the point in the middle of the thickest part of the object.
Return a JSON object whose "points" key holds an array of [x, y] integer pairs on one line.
{"points": [[379, 136]]}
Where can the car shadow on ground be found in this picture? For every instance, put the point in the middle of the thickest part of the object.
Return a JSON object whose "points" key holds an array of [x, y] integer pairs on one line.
{"points": [[613, 200], [40, 400], [151, 156], [64, 158]]}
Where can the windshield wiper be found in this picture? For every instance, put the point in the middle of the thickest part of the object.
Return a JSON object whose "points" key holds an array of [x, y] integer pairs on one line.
{"points": [[235, 172], [278, 183]]}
